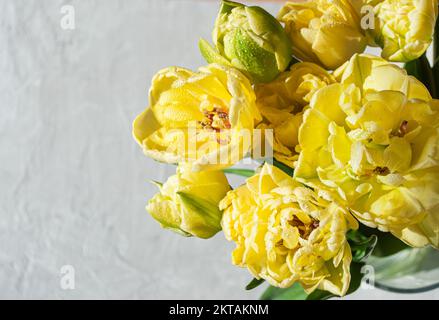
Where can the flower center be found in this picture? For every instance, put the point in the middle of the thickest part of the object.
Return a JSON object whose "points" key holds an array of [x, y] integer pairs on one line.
{"points": [[402, 130], [382, 171], [304, 229], [216, 119]]}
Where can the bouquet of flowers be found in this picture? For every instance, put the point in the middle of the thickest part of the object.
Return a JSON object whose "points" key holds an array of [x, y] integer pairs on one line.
{"points": [[347, 143]]}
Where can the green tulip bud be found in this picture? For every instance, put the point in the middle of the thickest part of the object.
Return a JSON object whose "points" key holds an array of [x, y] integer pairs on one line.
{"points": [[188, 202], [249, 39]]}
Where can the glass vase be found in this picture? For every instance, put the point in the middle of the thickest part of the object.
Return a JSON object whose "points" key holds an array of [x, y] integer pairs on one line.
{"points": [[408, 271]]}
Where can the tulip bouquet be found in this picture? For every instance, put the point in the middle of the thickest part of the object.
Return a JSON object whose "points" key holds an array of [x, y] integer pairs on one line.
{"points": [[349, 167]]}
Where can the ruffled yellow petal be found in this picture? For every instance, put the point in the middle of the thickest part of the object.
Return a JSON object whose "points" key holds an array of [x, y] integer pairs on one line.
{"points": [[285, 232], [373, 140], [204, 118], [324, 32]]}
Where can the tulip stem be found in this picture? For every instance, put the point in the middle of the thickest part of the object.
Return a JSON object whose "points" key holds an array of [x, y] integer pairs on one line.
{"points": [[422, 70], [427, 71], [289, 171], [436, 44], [240, 172], [436, 57]]}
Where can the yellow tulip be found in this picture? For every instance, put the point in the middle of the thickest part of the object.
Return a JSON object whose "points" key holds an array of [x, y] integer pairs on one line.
{"points": [[404, 29], [324, 31], [188, 202], [374, 138], [281, 103], [287, 233], [198, 117]]}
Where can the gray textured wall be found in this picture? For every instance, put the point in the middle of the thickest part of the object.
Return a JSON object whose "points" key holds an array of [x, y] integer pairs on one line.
{"points": [[73, 184]]}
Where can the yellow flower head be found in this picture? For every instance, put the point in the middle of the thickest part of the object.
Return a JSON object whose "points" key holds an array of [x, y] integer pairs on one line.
{"points": [[285, 232], [374, 139], [327, 32], [281, 104], [188, 202], [198, 117], [404, 29]]}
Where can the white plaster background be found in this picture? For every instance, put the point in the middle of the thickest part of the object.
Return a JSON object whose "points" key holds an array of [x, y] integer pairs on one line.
{"points": [[73, 184]]}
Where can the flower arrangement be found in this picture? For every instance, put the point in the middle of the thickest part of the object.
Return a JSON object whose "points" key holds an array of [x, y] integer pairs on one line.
{"points": [[348, 143]]}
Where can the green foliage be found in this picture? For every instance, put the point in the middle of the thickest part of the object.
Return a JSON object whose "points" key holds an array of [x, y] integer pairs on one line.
{"points": [[422, 70], [387, 243], [361, 245], [289, 171], [240, 172], [254, 284], [296, 292]]}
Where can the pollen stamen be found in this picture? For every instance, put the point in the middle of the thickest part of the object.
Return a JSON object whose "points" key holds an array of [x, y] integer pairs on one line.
{"points": [[382, 171], [403, 128]]}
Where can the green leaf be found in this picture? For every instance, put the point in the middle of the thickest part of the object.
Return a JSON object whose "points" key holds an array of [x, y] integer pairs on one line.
{"points": [[293, 62], [436, 58], [258, 62], [249, 173], [289, 171], [320, 295], [275, 39], [436, 44], [421, 69], [295, 292], [356, 277], [240, 172], [361, 245], [254, 284], [227, 6], [387, 244], [156, 183], [436, 77], [413, 68], [210, 212], [210, 54]]}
